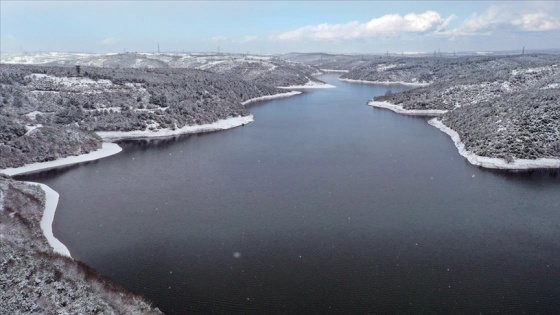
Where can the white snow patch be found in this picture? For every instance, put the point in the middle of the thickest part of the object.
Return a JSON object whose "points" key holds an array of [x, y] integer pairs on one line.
{"points": [[69, 81], [309, 85], [107, 149], [386, 82], [142, 134], [334, 70], [51, 201], [551, 86], [413, 112], [34, 114], [384, 67], [270, 97], [31, 128], [494, 163]]}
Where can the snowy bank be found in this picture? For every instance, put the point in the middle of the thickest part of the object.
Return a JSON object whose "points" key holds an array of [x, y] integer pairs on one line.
{"points": [[160, 133], [270, 97], [334, 70], [386, 82], [107, 149], [51, 201], [494, 163], [309, 85], [413, 112]]}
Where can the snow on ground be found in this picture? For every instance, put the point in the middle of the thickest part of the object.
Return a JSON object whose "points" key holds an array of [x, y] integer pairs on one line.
{"points": [[334, 70], [34, 114], [413, 112], [270, 97], [551, 86], [70, 81], [107, 149], [38, 58], [384, 67], [386, 82], [160, 133], [533, 70], [31, 128], [51, 201], [309, 85], [494, 163]]}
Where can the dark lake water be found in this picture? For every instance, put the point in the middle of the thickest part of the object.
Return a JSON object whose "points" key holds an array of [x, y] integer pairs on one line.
{"points": [[322, 205]]}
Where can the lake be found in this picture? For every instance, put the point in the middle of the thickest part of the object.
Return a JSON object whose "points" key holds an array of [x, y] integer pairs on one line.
{"points": [[322, 205]]}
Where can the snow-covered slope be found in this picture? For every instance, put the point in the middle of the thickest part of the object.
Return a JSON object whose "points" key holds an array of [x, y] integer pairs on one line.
{"points": [[265, 70]]}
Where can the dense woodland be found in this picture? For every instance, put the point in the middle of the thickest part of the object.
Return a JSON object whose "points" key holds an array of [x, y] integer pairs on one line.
{"points": [[67, 107], [502, 106], [505, 107], [158, 94], [262, 70]]}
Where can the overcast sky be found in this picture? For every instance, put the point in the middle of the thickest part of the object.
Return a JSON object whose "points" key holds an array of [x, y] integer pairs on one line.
{"points": [[278, 27]]}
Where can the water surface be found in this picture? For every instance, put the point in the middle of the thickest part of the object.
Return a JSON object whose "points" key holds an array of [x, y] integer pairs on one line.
{"points": [[323, 204]]}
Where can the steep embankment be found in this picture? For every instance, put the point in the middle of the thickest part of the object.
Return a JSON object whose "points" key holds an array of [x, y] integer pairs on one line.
{"points": [[34, 279]]}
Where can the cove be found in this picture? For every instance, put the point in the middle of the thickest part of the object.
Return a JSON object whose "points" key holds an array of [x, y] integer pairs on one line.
{"points": [[321, 205]]}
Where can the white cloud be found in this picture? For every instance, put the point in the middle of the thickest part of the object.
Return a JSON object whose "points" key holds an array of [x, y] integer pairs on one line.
{"points": [[537, 22], [110, 41], [390, 24], [502, 18]]}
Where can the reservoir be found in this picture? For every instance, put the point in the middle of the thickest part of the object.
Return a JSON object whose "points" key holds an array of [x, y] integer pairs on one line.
{"points": [[321, 205]]}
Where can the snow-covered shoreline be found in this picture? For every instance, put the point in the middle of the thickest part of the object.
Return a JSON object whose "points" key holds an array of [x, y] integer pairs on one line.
{"points": [[413, 112], [418, 84], [270, 97], [493, 163], [107, 149], [309, 85], [51, 201], [222, 124], [334, 71]]}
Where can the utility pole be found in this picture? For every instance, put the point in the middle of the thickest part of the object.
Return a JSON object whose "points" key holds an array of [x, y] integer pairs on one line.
{"points": [[387, 54], [158, 48], [523, 52]]}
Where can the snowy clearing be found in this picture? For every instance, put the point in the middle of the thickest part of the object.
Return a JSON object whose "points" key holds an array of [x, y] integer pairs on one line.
{"points": [[386, 82], [334, 70], [309, 85], [413, 112], [70, 81]]}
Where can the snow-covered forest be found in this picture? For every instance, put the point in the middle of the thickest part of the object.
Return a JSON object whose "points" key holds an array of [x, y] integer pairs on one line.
{"points": [[34, 280], [505, 107], [50, 112], [265, 70], [501, 106]]}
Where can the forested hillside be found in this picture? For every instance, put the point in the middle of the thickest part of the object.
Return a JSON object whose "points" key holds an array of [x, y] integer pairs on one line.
{"points": [[51, 112]]}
